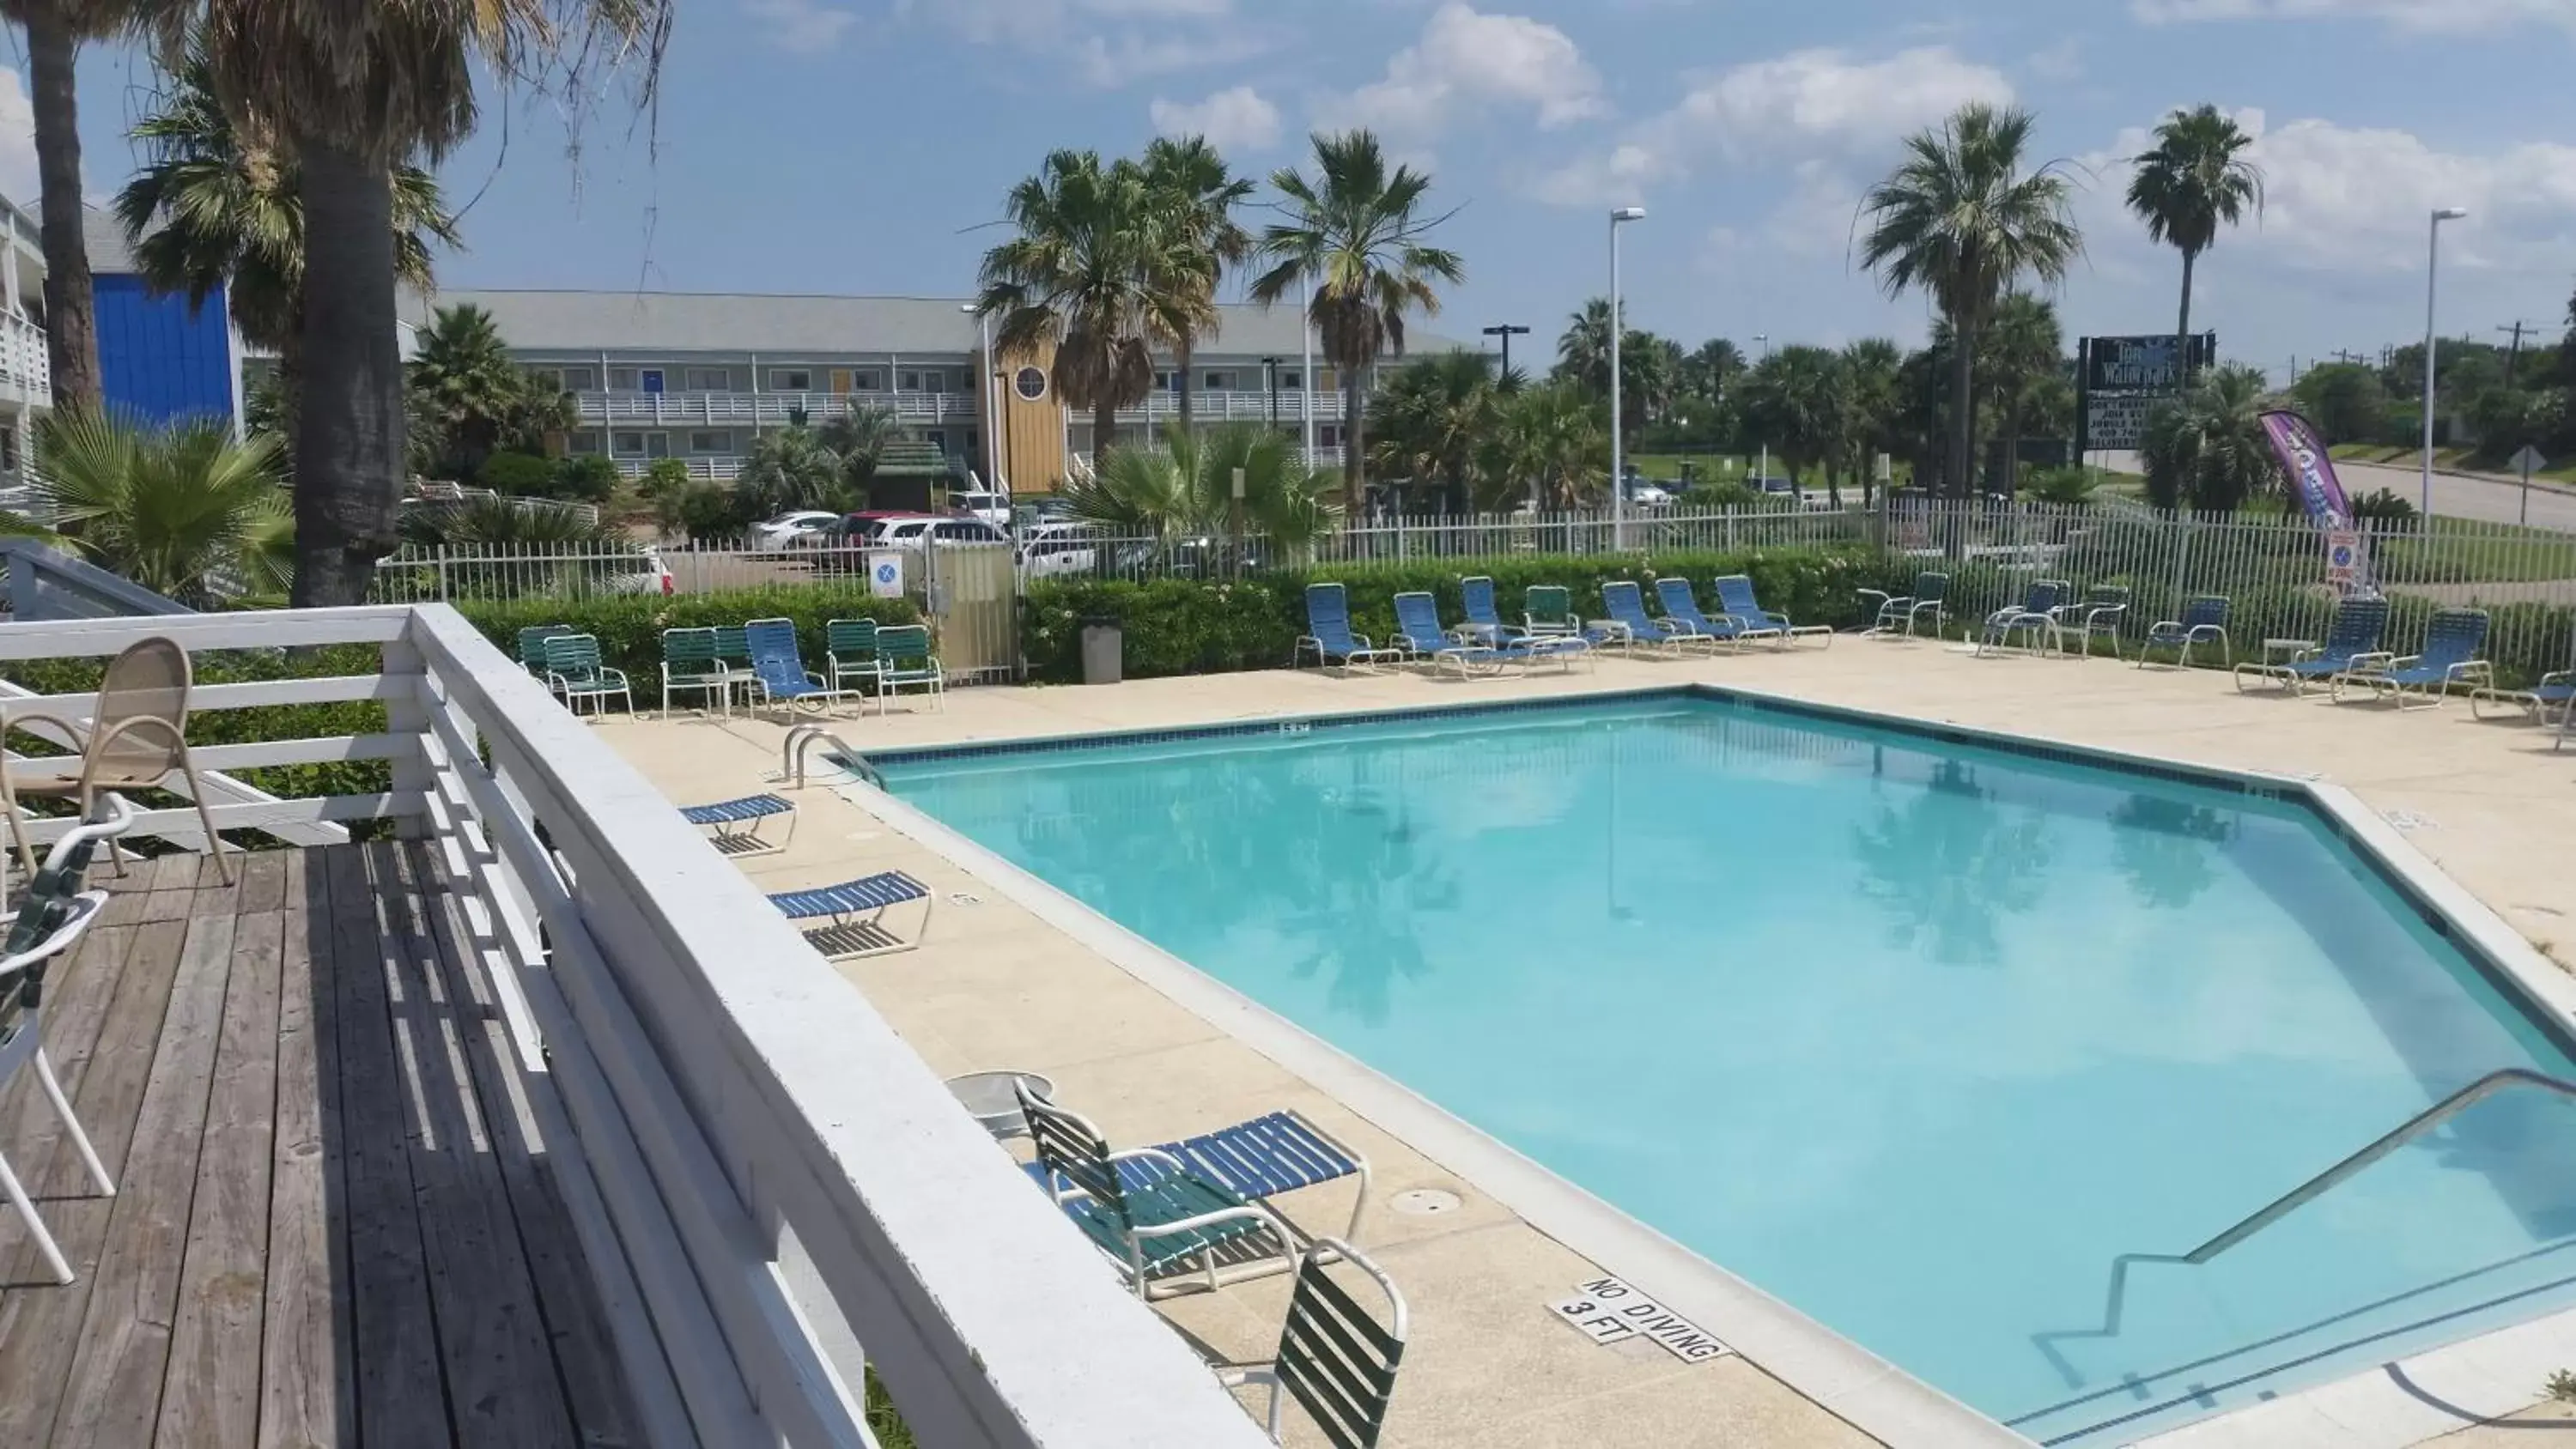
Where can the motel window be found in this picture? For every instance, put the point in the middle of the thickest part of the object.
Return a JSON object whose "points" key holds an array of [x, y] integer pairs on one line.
{"points": [[629, 445], [582, 443], [1328, 435], [867, 379], [710, 379], [715, 442], [621, 379], [791, 379], [1225, 380], [908, 380], [1167, 382], [551, 378], [1289, 379], [657, 445], [580, 379]]}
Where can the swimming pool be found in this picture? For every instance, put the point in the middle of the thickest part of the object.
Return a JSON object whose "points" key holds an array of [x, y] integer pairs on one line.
{"points": [[1919, 1035]]}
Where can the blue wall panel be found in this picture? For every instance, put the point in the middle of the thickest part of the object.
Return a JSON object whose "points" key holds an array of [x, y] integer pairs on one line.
{"points": [[160, 357]]}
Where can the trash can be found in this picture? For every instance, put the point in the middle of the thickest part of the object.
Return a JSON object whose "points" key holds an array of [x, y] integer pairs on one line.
{"points": [[1104, 647]]}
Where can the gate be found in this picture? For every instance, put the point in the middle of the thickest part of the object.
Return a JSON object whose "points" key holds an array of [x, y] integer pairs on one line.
{"points": [[970, 594]]}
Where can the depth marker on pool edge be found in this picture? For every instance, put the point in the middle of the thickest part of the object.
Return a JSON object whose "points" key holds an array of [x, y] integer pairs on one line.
{"points": [[1608, 1310]]}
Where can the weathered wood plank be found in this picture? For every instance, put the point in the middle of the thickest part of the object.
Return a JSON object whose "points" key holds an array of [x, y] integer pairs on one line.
{"points": [[400, 1393], [77, 992], [264, 878], [112, 1394], [593, 1381], [210, 1395], [307, 1399], [40, 1327]]}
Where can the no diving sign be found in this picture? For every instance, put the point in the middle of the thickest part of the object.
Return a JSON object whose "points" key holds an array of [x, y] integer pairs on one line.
{"points": [[2343, 557], [1608, 1310]]}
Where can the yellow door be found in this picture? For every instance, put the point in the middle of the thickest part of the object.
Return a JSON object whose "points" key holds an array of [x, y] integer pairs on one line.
{"points": [[840, 381]]}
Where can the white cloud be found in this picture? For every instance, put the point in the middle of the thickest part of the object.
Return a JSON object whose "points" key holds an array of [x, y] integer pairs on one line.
{"points": [[1111, 63], [1110, 43], [1232, 120], [2414, 15], [802, 25], [1466, 62], [1804, 106], [17, 141]]}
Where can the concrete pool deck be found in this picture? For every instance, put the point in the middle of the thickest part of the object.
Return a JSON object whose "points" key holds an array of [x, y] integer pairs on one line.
{"points": [[999, 985]]}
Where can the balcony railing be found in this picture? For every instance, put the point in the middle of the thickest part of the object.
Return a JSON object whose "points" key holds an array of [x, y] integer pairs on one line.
{"points": [[26, 373], [778, 409], [765, 1181]]}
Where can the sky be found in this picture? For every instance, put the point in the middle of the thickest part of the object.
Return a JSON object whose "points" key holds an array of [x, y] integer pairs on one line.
{"points": [[857, 146]]}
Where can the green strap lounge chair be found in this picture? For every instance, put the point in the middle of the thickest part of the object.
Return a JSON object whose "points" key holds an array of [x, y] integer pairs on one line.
{"points": [[532, 645], [690, 666], [850, 654], [574, 670], [904, 661], [1335, 1358]]}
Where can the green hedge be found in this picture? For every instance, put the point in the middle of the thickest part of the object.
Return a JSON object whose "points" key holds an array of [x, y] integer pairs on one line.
{"points": [[629, 626], [1188, 626]]}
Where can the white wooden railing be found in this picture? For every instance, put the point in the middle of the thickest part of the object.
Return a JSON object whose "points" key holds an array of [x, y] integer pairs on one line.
{"points": [[766, 1181], [26, 371], [777, 409]]}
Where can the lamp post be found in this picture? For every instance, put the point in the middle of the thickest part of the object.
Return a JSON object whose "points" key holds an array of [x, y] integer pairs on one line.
{"points": [[992, 404], [1506, 331], [1306, 365], [1762, 472], [2432, 276], [1618, 444], [1270, 380]]}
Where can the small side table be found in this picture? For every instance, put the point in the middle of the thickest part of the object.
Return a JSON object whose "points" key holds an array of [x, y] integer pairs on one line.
{"points": [[990, 1096], [2281, 651], [1610, 629]]}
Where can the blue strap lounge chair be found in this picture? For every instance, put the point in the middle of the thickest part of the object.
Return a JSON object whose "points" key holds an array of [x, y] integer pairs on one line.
{"points": [[2352, 646], [1158, 1222], [1260, 1159], [2451, 644], [1626, 605], [1735, 595], [1484, 620], [2203, 621], [1328, 633], [1681, 607], [1419, 635], [853, 914], [736, 824], [1903, 613], [778, 668], [2554, 692], [2035, 619]]}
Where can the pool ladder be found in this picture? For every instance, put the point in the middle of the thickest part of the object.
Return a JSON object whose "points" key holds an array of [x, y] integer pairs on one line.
{"points": [[803, 738]]}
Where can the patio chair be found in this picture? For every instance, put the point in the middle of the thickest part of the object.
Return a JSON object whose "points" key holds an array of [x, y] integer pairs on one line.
{"points": [[735, 824], [2450, 656], [1419, 636], [733, 651], [1264, 1158], [1160, 1225], [53, 913], [136, 738], [532, 646], [1735, 595], [2352, 646], [850, 654], [689, 664], [1548, 613], [1335, 1359], [1328, 633], [2035, 618], [778, 666], [1899, 613], [575, 671], [2554, 691], [1625, 603], [1681, 609], [1484, 620], [904, 658], [853, 914], [2203, 621], [2104, 608]]}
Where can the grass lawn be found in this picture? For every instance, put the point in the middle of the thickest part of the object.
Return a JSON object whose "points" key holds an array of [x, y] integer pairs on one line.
{"points": [[1667, 467], [2456, 459]]}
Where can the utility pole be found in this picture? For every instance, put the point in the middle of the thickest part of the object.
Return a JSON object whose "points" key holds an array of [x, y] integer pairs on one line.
{"points": [[2515, 356], [1507, 331]]}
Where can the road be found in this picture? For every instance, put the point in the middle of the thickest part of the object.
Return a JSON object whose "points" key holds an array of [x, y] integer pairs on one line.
{"points": [[2493, 500]]}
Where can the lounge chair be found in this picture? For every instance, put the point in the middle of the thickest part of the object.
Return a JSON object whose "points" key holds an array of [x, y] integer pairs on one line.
{"points": [[1152, 1226], [54, 911], [778, 667], [1626, 605], [2554, 691], [1681, 609], [851, 656], [733, 651], [689, 664], [1735, 595], [532, 646], [2450, 656], [853, 914], [135, 738], [1260, 1159], [575, 671], [2035, 618], [1899, 613], [1484, 620], [1419, 636], [2352, 645], [904, 658], [736, 824], [1335, 1359], [2203, 621], [1548, 614], [1328, 633], [2104, 608]]}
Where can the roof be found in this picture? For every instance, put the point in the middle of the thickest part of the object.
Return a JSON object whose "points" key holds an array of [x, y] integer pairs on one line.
{"points": [[103, 237], [787, 326]]}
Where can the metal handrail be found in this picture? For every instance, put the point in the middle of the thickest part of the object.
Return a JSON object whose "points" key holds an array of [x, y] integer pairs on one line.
{"points": [[801, 739]]}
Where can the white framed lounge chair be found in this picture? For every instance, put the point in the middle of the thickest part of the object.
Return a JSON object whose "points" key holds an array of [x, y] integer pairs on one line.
{"points": [[1335, 1358], [734, 826], [853, 914]]}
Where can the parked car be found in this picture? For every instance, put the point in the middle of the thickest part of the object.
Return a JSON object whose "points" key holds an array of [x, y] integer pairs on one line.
{"points": [[845, 545], [645, 573], [795, 529], [993, 508], [1051, 550]]}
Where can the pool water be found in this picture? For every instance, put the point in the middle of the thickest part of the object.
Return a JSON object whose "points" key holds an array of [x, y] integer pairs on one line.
{"points": [[1919, 1037]]}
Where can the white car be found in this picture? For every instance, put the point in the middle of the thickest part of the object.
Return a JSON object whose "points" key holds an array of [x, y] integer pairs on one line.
{"points": [[644, 574], [953, 529], [993, 508], [1051, 549], [791, 530]]}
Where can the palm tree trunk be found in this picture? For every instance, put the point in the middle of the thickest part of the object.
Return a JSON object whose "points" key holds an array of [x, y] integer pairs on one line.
{"points": [[1104, 432], [2012, 445], [1354, 439], [71, 327], [1182, 355], [1963, 422], [349, 437], [2182, 329]]}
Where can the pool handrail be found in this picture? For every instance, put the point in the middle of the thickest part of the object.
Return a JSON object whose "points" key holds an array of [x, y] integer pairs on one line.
{"points": [[791, 756]]}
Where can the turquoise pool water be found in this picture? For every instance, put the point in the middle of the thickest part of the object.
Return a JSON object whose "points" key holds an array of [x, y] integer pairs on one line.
{"points": [[1918, 1037]]}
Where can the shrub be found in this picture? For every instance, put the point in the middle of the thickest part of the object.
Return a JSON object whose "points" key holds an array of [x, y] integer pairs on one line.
{"points": [[2387, 508], [629, 626], [662, 475], [2061, 485], [711, 510], [589, 478], [524, 475]]}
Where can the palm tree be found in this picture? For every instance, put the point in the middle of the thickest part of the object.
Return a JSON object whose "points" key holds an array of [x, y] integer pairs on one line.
{"points": [[1185, 489], [353, 91], [172, 508], [2022, 347], [1198, 195], [1794, 399], [786, 468], [1553, 440], [56, 30], [1873, 398], [1650, 367], [2195, 180], [1429, 420], [1358, 231], [1962, 221], [858, 437], [1090, 277], [471, 383], [2207, 449], [1583, 349], [211, 209], [1709, 368]]}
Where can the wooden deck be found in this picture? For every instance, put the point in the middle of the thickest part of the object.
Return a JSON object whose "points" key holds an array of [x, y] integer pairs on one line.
{"points": [[335, 1223]]}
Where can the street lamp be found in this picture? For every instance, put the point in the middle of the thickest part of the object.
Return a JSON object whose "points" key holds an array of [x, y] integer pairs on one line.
{"points": [[1762, 473], [992, 405], [1618, 451], [2432, 268], [1507, 331]]}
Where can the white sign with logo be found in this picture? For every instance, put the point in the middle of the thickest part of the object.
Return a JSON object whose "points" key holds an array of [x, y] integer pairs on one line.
{"points": [[885, 574], [2343, 557], [1609, 1310]]}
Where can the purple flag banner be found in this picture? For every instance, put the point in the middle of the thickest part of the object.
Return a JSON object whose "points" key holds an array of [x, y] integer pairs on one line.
{"points": [[2312, 475]]}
